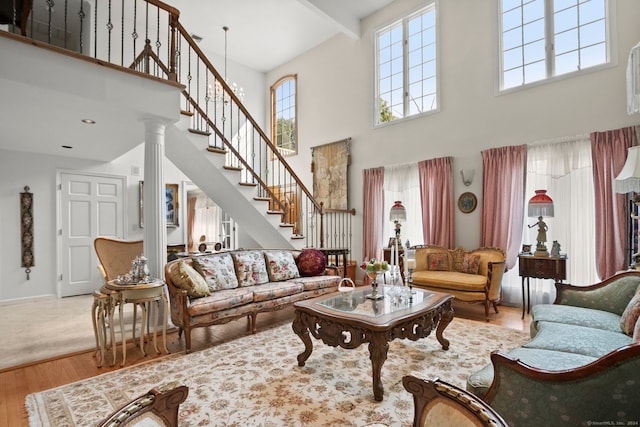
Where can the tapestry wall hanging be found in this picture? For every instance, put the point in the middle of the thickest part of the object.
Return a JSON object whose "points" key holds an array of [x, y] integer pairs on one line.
{"points": [[329, 167]]}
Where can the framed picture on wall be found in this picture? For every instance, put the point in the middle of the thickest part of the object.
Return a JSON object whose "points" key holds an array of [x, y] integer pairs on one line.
{"points": [[171, 204]]}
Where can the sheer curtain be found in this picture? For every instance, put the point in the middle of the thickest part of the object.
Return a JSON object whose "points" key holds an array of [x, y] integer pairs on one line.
{"points": [[401, 182], [206, 219], [562, 167]]}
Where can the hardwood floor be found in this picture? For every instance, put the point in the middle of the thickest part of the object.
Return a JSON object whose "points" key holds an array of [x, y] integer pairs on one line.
{"points": [[16, 383]]}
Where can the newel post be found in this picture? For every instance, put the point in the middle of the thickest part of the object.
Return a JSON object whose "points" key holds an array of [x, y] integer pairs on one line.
{"points": [[173, 76], [322, 224]]}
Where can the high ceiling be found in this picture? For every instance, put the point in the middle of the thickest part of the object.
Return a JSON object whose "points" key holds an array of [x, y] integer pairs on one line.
{"points": [[264, 34]]}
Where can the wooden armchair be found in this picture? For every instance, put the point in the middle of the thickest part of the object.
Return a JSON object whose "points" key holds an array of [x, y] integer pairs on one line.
{"points": [[437, 403], [157, 407]]}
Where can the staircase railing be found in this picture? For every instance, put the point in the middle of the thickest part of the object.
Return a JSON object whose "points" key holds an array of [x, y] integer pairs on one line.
{"points": [[109, 30]]}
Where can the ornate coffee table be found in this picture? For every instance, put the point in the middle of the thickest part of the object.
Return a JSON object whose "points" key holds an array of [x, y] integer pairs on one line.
{"points": [[351, 320]]}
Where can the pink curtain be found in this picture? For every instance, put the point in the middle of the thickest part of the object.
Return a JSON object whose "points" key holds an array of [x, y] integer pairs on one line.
{"points": [[609, 152], [436, 194], [503, 199], [372, 215], [191, 215]]}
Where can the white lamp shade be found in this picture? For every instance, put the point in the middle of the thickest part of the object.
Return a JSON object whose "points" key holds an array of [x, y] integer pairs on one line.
{"points": [[628, 179]]}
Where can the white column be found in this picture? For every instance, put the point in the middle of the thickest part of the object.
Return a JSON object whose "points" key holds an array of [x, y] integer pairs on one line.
{"points": [[155, 223]]}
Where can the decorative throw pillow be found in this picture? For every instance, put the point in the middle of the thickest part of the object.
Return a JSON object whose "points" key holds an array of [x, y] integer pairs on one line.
{"points": [[186, 277], [281, 265], [311, 262], [457, 256], [470, 264], [250, 268], [630, 315], [218, 271], [438, 262]]}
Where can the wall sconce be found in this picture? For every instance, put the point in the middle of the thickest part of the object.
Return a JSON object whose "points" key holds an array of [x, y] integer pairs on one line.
{"points": [[467, 176]]}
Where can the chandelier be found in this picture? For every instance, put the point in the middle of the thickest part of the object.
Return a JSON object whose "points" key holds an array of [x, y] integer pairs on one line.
{"points": [[216, 92]]}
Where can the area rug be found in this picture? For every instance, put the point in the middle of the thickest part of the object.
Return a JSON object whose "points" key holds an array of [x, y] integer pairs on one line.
{"points": [[255, 381]]}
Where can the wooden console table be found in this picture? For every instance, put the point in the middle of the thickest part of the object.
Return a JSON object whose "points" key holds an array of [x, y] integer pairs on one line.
{"points": [[335, 252], [540, 268]]}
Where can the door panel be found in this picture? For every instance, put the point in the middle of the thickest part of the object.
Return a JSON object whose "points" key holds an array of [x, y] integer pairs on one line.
{"points": [[90, 206]]}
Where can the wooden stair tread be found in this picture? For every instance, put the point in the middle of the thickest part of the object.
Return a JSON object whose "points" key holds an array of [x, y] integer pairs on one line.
{"points": [[216, 150], [248, 184], [270, 212], [186, 113], [232, 168], [200, 132]]}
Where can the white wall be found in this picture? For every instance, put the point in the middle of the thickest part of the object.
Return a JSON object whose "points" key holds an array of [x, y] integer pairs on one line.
{"points": [[39, 172], [335, 101]]}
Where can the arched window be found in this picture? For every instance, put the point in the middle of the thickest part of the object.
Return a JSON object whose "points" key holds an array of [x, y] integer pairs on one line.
{"points": [[284, 128]]}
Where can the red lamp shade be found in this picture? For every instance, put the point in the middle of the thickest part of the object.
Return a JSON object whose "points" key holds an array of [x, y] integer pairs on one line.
{"points": [[397, 212], [540, 205]]}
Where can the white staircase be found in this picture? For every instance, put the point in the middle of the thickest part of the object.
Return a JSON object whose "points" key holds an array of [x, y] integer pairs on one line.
{"points": [[188, 151]]}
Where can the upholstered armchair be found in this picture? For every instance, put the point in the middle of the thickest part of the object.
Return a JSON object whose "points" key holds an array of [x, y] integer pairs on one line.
{"points": [[158, 407], [438, 403]]}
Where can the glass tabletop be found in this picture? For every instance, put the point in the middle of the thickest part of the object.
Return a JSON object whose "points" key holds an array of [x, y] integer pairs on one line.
{"points": [[357, 302]]}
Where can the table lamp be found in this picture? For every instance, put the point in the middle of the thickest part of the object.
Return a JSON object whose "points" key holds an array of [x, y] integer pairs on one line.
{"points": [[628, 180], [541, 206], [397, 215]]}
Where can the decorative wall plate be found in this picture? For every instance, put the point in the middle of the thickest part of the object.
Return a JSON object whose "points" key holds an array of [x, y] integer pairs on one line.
{"points": [[467, 202]]}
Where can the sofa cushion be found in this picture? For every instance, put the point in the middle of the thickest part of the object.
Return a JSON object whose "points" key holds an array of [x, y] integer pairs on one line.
{"points": [[478, 383], [439, 261], [273, 290], [577, 339], [218, 270], [220, 300], [250, 268], [311, 262], [630, 315], [317, 282], [281, 265], [572, 315], [450, 280], [186, 277], [470, 264]]}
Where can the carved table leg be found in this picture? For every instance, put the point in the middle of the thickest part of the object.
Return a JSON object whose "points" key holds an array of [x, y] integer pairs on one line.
{"points": [[447, 317], [378, 348], [302, 331]]}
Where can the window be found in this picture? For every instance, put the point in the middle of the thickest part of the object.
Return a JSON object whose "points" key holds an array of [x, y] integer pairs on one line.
{"points": [[406, 78], [284, 130], [541, 39]]}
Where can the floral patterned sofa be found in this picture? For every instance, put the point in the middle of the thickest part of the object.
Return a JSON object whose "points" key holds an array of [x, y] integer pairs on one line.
{"points": [[470, 276], [216, 288], [582, 365]]}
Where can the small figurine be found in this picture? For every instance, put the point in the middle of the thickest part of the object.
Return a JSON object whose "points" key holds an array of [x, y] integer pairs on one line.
{"points": [[555, 249]]}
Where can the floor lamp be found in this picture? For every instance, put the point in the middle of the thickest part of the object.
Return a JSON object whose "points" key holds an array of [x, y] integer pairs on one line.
{"points": [[628, 180]]}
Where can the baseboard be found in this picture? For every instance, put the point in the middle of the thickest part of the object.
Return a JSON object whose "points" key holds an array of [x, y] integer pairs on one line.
{"points": [[26, 299]]}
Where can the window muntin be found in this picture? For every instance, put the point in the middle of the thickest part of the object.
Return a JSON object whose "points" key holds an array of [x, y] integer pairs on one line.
{"points": [[541, 39], [406, 83], [284, 129]]}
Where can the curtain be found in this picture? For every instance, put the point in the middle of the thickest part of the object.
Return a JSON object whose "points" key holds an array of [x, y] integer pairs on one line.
{"points": [[503, 183], [563, 167], [191, 216], [436, 195], [401, 182], [609, 152], [372, 213], [206, 220]]}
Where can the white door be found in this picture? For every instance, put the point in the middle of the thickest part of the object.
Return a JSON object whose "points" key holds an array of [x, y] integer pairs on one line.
{"points": [[91, 206]]}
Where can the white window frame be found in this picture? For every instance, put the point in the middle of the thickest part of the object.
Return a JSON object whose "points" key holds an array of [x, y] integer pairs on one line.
{"points": [[432, 6], [274, 111], [551, 76]]}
